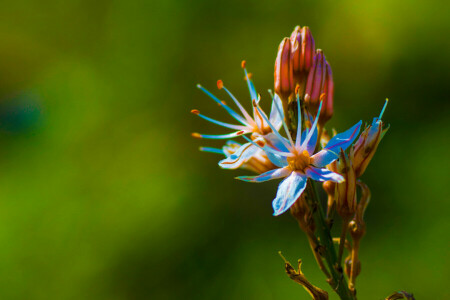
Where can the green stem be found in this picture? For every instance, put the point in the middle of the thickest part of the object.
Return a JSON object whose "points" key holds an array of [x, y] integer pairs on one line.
{"points": [[328, 251]]}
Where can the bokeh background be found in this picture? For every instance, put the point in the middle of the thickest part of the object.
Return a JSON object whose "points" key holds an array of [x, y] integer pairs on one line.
{"points": [[104, 195]]}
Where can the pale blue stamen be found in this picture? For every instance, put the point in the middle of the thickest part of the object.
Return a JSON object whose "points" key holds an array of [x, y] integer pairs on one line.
{"points": [[211, 150], [384, 107], [239, 105], [226, 107], [272, 127], [268, 149], [299, 123], [220, 136], [251, 87], [231, 126], [285, 126], [313, 127]]}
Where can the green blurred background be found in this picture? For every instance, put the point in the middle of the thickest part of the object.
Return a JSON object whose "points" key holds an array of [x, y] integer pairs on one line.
{"points": [[104, 195]]}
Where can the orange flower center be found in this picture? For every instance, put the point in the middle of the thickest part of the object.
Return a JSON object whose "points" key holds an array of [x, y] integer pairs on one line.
{"points": [[299, 162]]}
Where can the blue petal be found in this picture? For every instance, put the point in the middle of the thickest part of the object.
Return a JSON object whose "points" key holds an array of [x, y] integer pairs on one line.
{"points": [[311, 146], [277, 142], [288, 192], [237, 159], [273, 174], [320, 174], [275, 116], [277, 160], [334, 146]]}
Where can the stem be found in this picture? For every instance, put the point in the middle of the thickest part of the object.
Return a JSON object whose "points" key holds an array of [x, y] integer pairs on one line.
{"points": [[329, 253], [342, 240]]}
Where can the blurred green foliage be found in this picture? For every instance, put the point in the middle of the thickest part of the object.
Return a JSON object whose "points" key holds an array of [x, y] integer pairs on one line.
{"points": [[105, 196]]}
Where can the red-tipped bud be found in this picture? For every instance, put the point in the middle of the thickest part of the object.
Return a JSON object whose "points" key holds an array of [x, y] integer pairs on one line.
{"points": [[283, 75], [303, 49], [364, 149], [320, 87], [346, 191]]}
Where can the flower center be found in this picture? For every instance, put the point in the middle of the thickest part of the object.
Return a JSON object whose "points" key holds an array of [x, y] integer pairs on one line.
{"points": [[300, 161]]}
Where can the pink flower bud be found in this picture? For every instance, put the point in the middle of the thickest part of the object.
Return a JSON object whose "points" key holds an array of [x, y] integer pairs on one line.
{"points": [[303, 49], [320, 87], [283, 75]]}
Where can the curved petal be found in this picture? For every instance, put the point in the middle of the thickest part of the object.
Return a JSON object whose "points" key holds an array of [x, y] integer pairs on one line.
{"points": [[311, 145], [332, 149], [238, 158], [320, 174], [275, 116], [277, 160], [277, 142], [288, 192], [272, 174]]}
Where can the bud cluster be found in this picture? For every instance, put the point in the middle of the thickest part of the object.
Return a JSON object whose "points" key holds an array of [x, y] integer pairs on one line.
{"points": [[301, 69]]}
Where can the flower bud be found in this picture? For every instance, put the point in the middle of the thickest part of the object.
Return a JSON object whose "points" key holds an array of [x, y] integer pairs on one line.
{"points": [[363, 150], [283, 75], [346, 191], [320, 87], [303, 49]]}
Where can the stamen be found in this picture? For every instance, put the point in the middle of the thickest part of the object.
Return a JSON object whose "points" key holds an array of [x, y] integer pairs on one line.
{"points": [[211, 150], [313, 127], [239, 105], [226, 107], [228, 125], [196, 135], [299, 122], [384, 107], [267, 148], [219, 84], [219, 136], [243, 63], [285, 125], [271, 126]]}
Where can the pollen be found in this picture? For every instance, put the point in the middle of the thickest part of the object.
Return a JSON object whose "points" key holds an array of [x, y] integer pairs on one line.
{"points": [[219, 84], [243, 63], [240, 132], [300, 161], [196, 135], [195, 111]]}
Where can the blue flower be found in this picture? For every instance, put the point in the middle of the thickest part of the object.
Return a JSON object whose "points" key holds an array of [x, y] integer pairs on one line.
{"points": [[259, 126], [297, 162]]}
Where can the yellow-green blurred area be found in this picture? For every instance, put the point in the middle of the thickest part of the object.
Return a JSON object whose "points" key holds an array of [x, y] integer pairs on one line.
{"points": [[104, 194]]}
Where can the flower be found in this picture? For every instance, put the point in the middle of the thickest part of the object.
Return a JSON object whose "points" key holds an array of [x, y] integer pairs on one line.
{"points": [[297, 161], [362, 152], [260, 127]]}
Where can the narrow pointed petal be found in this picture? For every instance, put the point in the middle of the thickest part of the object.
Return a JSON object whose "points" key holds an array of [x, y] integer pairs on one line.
{"points": [[321, 174], [276, 141], [313, 127], [311, 146], [272, 174], [288, 192], [275, 118], [332, 149], [238, 158]]}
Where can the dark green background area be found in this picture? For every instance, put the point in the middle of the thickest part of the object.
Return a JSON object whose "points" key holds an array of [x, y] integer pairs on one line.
{"points": [[104, 195]]}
